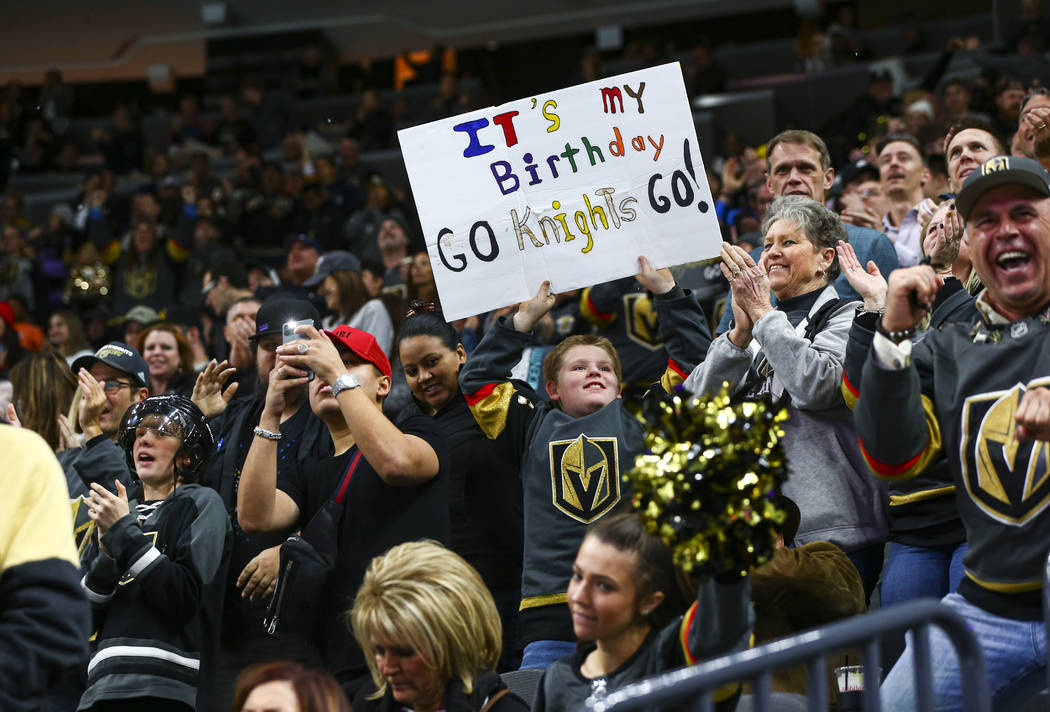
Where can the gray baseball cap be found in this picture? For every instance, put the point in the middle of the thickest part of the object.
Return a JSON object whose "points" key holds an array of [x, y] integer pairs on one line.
{"points": [[334, 261]]}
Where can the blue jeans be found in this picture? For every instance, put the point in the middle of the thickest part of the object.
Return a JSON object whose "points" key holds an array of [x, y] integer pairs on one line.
{"points": [[1013, 650], [921, 572], [542, 654]]}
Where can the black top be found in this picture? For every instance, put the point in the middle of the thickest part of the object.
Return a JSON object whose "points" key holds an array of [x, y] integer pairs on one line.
{"points": [[377, 516], [242, 618], [489, 689], [484, 493], [922, 510], [798, 308]]}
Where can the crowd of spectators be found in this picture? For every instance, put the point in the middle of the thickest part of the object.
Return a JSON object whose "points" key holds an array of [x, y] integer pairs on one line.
{"points": [[168, 278]]}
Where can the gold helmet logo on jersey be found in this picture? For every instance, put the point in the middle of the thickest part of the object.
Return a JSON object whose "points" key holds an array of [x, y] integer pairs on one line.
{"points": [[585, 476], [642, 327], [1008, 479]]}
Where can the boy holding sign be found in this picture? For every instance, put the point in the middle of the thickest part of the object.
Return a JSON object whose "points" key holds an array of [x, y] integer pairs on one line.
{"points": [[577, 440]]}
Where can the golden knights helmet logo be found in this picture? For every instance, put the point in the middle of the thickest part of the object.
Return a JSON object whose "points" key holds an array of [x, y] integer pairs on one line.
{"points": [[1009, 480], [585, 476], [641, 325]]}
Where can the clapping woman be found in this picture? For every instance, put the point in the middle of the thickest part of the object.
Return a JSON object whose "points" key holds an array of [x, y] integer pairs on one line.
{"points": [[793, 352]]}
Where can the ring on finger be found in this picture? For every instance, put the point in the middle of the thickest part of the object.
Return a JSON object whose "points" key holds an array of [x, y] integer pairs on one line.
{"points": [[302, 349]]}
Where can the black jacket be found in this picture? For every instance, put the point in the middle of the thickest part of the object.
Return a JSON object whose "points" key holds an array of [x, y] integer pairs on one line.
{"points": [[486, 687]]}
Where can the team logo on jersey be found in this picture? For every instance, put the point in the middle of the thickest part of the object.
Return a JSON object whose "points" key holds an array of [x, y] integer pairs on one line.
{"points": [[564, 324], [83, 525], [1008, 479], [641, 325], [585, 476]]}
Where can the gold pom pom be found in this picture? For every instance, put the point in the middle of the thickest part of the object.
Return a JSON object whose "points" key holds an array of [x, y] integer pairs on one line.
{"points": [[708, 482]]}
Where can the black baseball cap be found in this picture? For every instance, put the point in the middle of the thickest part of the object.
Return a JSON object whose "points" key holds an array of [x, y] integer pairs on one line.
{"points": [[997, 171], [305, 239], [277, 310], [334, 261], [118, 355]]}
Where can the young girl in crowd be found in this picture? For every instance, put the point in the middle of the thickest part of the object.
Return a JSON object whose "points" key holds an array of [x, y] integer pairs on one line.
{"points": [[628, 610], [157, 584], [485, 476], [576, 442]]}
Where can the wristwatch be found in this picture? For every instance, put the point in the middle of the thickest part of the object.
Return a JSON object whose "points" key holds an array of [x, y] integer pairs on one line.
{"points": [[344, 382]]}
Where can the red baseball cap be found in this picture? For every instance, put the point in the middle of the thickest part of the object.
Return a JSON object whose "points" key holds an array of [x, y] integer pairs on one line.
{"points": [[363, 344]]}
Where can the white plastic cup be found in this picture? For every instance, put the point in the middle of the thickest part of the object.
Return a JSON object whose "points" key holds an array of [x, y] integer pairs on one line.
{"points": [[850, 677]]}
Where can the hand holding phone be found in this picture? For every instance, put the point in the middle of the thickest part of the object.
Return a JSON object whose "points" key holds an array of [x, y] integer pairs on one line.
{"points": [[288, 335]]}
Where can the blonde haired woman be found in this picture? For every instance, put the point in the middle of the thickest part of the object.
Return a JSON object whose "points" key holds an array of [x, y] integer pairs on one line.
{"points": [[430, 633]]}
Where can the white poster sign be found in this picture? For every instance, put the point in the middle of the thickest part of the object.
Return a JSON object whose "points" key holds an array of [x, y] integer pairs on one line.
{"points": [[571, 186]]}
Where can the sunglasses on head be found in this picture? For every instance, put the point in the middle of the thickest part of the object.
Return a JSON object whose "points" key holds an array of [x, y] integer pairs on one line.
{"points": [[417, 306]]}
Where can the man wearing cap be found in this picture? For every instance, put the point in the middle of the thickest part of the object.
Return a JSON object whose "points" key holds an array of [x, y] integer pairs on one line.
{"points": [[303, 255], [977, 392], [111, 380], [254, 558], [397, 491], [137, 319]]}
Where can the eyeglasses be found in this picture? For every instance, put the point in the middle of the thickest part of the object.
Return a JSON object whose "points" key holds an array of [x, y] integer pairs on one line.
{"points": [[417, 306], [112, 385]]}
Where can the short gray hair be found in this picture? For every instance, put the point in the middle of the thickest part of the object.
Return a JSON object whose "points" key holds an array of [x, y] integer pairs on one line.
{"points": [[821, 226]]}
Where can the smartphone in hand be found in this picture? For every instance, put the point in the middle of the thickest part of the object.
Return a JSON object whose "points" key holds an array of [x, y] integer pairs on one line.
{"points": [[288, 335]]}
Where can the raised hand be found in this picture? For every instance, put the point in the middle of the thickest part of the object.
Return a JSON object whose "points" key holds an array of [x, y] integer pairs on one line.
{"points": [[657, 281], [943, 237], [208, 391], [316, 353], [534, 309], [92, 403], [869, 283], [106, 508], [909, 295], [747, 280]]}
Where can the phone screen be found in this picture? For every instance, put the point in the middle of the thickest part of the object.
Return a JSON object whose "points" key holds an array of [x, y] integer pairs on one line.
{"points": [[288, 335]]}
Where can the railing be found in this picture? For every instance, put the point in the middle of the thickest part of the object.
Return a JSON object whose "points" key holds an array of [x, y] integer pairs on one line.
{"points": [[757, 665]]}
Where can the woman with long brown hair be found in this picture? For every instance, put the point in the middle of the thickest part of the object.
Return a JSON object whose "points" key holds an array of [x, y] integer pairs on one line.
{"points": [[66, 334], [43, 389], [349, 302]]}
